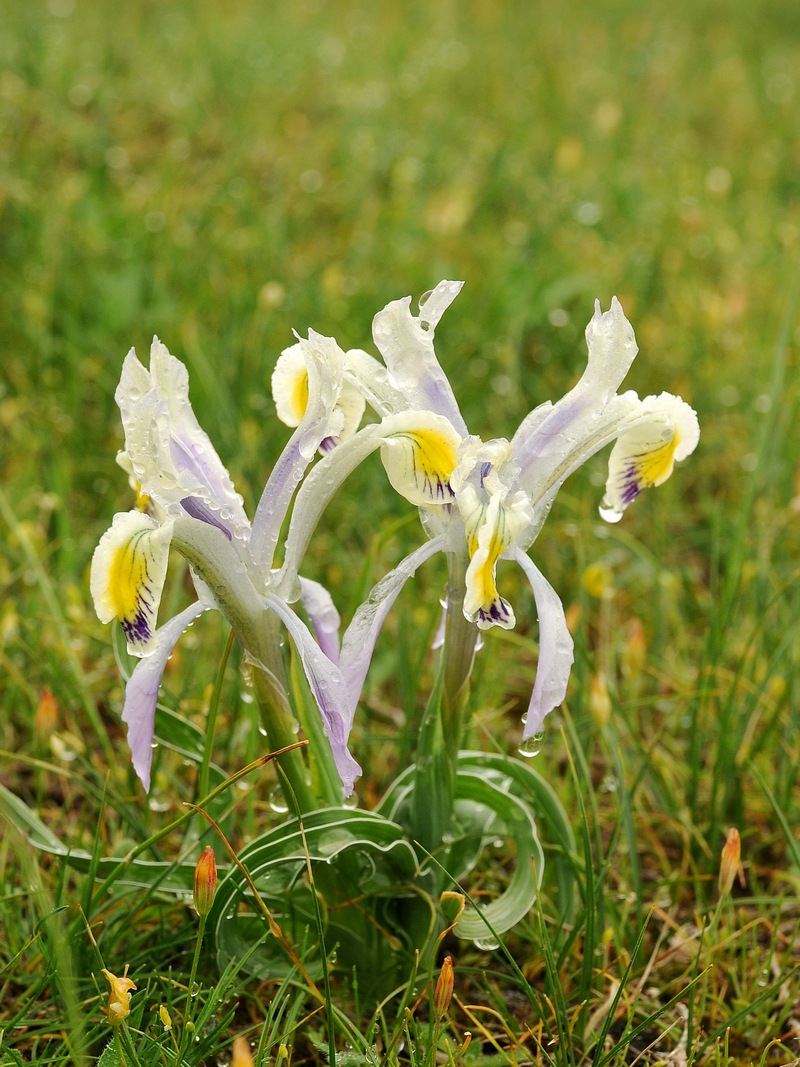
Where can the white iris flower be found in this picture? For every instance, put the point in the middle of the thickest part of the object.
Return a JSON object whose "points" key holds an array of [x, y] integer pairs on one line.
{"points": [[190, 504], [489, 498]]}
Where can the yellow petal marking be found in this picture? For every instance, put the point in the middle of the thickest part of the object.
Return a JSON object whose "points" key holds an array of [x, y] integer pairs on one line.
{"points": [[428, 461], [299, 399], [656, 466], [127, 575]]}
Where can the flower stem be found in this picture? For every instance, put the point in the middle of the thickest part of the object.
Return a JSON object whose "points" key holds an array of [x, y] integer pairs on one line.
{"points": [[460, 639], [188, 1025], [269, 682], [439, 740]]}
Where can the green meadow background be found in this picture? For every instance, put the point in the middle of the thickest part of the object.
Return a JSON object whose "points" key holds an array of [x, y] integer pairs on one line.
{"points": [[220, 175]]}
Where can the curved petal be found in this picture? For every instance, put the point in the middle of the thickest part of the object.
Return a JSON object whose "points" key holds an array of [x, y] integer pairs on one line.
{"points": [[406, 343], [418, 448], [127, 576], [372, 380], [141, 692], [361, 635], [320, 608], [556, 650], [290, 385], [324, 362], [662, 430], [327, 684], [547, 439], [290, 391], [487, 539], [171, 456], [314, 495], [420, 451]]}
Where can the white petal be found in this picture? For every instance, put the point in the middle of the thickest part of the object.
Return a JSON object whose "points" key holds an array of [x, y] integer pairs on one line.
{"points": [[406, 344], [290, 385], [327, 684], [171, 456], [419, 451], [552, 439], [128, 570], [324, 362], [372, 380], [662, 430]]}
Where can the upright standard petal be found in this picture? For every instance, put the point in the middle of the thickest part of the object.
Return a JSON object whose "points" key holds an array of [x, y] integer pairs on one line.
{"points": [[128, 570], [172, 457], [660, 431], [556, 650], [406, 343], [546, 440], [141, 692]]}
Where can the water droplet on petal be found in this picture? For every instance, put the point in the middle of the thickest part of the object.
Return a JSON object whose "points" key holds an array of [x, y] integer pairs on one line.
{"points": [[609, 513], [531, 745]]}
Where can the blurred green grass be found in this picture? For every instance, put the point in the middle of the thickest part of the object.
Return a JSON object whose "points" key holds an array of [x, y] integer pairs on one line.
{"points": [[220, 178]]}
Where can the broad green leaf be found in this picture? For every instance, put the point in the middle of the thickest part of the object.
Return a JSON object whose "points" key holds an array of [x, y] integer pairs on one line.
{"points": [[516, 901], [375, 909]]}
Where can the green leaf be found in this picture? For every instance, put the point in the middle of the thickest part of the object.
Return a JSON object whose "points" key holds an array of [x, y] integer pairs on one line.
{"points": [[516, 900], [110, 1057], [376, 908], [548, 811]]}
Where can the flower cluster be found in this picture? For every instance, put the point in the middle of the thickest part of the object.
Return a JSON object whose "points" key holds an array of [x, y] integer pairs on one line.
{"points": [[481, 501]]}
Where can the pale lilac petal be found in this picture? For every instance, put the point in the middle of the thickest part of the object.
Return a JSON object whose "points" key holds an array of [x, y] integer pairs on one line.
{"points": [[406, 343], [556, 651], [320, 608], [361, 635], [325, 365], [141, 692], [550, 436], [327, 684]]}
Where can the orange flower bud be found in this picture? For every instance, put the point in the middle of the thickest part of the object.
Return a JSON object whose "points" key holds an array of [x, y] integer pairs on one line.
{"points": [[119, 1001], [731, 862], [444, 988], [205, 881], [46, 716]]}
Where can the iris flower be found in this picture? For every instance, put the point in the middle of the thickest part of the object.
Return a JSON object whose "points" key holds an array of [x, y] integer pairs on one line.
{"points": [[187, 502], [489, 499]]}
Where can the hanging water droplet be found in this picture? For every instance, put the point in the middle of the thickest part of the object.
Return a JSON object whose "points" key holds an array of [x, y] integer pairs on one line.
{"points": [[277, 801], [609, 513], [531, 745]]}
